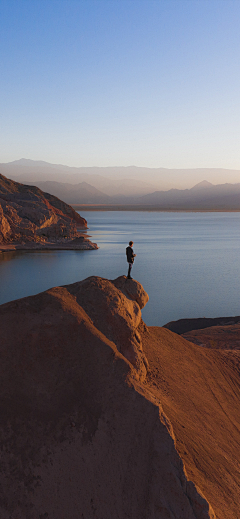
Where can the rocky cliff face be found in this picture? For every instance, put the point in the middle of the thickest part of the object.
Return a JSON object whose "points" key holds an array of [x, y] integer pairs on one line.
{"points": [[82, 433], [29, 215]]}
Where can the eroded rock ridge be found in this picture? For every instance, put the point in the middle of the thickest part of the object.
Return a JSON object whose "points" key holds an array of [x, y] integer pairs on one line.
{"points": [[30, 218], [82, 434]]}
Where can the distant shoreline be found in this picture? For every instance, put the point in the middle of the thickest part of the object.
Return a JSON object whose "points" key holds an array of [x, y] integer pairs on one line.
{"points": [[76, 244], [103, 207]]}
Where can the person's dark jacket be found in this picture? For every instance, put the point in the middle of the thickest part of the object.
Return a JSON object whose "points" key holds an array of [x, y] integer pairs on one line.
{"points": [[130, 254]]}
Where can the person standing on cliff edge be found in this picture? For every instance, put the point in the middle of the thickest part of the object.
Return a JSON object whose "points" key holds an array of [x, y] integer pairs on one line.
{"points": [[130, 258]]}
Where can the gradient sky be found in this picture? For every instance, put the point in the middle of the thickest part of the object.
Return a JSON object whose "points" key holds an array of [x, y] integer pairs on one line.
{"points": [[119, 82]]}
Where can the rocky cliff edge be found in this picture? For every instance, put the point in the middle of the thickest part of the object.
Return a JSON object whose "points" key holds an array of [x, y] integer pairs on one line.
{"points": [[81, 434], [32, 219]]}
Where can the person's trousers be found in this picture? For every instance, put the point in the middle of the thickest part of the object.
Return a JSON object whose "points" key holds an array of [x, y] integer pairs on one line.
{"points": [[129, 269]]}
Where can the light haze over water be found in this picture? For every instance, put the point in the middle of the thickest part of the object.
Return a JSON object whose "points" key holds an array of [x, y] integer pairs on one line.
{"points": [[189, 263]]}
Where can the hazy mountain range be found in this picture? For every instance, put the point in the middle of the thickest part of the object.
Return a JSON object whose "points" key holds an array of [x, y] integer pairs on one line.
{"points": [[89, 186], [129, 181], [202, 196]]}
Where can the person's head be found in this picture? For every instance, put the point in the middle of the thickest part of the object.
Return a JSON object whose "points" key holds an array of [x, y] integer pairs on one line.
{"points": [[131, 243]]}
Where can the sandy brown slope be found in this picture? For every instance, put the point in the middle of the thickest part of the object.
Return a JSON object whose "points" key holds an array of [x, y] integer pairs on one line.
{"points": [[216, 337], [200, 392]]}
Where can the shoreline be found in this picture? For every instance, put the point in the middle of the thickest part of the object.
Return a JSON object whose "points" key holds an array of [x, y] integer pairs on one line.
{"points": [[103, 207], [84, 244]]}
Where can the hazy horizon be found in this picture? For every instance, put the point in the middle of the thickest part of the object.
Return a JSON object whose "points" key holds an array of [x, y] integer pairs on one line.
{"points": [[146, 179]]}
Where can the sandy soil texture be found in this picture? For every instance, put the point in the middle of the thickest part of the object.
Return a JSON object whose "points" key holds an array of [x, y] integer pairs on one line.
{"points": [[200, 392]]}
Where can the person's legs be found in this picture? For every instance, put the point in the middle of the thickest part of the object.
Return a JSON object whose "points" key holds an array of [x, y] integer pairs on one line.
{"points": [[129, 270]]}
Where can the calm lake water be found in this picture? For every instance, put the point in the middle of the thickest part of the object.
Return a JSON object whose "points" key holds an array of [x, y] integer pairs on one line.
{"points": [[189, 263]]}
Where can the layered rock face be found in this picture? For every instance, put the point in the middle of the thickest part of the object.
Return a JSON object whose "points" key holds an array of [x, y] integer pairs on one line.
{"points": [[27, 215], [82, 433]]}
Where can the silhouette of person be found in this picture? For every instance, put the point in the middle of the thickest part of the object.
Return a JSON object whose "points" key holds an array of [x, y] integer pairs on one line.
{"points": [[130, 258]]}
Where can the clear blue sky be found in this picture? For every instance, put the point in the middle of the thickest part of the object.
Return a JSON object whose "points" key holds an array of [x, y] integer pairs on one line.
{"points": [[119, 82]]}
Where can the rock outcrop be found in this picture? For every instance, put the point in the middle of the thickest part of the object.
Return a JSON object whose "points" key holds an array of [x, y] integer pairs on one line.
{"points": [[183, 326], [115, 310], [83, 436], [30, 218]]}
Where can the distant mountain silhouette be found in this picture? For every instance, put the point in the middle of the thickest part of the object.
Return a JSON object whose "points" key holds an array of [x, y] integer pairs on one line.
{"points": [[202, 185], [117, 180], [126, 185], [111, 181], [73, 193], [203, 196]]}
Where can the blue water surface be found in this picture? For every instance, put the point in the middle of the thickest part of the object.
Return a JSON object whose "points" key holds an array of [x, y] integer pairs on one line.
{"points": [[189, 263]]}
